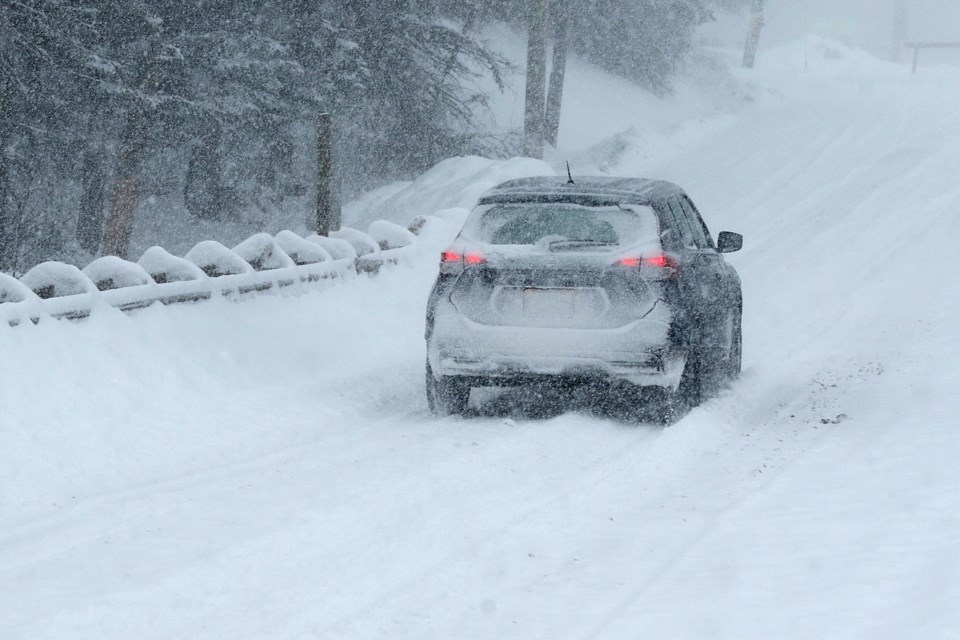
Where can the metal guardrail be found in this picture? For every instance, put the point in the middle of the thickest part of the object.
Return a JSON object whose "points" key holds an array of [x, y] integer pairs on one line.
{"points": [[917, 46], [31, 308]]}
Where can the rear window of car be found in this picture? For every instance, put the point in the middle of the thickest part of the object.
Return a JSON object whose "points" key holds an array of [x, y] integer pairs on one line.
{"points": [[562, 225]]}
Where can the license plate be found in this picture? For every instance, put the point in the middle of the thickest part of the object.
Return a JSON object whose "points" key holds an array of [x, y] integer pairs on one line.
{"points": [[549, 303]]}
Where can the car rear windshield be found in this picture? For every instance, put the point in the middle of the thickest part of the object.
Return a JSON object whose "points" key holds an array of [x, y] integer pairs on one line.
{"points": [[562, 226]]}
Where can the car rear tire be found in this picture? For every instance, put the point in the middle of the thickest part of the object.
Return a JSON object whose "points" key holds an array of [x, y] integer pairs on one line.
{"points": [[691, 390], [446, 395], [666, 406], [713, 362]]}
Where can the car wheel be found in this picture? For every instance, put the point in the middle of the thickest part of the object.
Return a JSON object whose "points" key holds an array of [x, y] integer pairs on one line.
{"points": [[666, 406], [691, 390], [715, 359], [446, 395]]}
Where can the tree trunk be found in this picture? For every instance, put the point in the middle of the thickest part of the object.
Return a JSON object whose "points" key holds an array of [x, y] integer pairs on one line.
{"points": [[536, 79], [8, 244], [328, 202], [93, 181], [753, 38], [202, 192], [125, 192], [557, 73]]}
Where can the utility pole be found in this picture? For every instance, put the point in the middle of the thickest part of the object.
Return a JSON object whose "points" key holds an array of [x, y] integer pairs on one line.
{"points": [[533, 121], [899, 29], [753, 38]]}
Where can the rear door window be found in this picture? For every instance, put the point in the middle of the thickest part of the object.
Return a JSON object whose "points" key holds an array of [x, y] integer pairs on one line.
{"points": [[687, 234], [699, 227]]}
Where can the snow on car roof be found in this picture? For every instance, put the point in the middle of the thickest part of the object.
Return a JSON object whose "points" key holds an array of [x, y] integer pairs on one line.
{"points": [[554, 188]]}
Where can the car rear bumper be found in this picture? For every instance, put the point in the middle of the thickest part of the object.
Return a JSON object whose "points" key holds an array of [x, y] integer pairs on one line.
{"points": [[639, 352]]}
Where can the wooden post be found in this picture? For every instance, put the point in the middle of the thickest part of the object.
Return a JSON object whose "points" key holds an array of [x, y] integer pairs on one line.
{"points": [[557, 73], [536, 79], [753, 38], [328, 204]]}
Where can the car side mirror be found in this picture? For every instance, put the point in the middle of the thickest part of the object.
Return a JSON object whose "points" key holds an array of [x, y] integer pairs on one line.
{"points": [[728, 242]]}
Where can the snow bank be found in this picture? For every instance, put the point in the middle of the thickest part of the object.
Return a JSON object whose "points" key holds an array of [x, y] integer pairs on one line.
{"points": [[455, 182], [826, 57]]}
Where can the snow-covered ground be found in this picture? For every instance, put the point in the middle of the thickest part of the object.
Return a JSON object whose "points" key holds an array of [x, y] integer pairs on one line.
{"points": [[269, 469]]}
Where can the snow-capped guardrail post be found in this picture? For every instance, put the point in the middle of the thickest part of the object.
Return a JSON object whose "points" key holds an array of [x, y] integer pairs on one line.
{"points": [[328, 203], [260, 265]]}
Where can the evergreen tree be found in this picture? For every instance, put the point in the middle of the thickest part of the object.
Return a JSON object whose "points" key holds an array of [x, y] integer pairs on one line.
{"points": [[103, 102]]}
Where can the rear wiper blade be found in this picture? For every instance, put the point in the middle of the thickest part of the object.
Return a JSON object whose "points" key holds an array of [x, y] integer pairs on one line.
{"points": [[571, 243]]}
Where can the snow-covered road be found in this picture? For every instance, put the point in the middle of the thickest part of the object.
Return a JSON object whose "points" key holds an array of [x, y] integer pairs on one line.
{"points": [[269, 469]]}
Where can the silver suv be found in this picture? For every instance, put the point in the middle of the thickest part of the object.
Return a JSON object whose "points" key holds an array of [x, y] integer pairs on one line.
{"points": [[609, 278]]}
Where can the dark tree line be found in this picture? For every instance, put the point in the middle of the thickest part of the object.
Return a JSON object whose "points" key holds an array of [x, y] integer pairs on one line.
{"points": [[104, 103], [644, 40]]}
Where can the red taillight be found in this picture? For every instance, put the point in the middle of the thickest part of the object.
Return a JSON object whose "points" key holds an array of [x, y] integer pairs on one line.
{"points": [[655, 261], [454, 261], [660, 261], [451, 256]]}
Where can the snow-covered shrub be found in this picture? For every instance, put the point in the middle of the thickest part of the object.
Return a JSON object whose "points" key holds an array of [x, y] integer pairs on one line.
{"points": [[164, 267], [362, 243], [56, 279], [216, 260], [12, 290], [262, 253], [111, 272], [339, 249], [390, 235], [301, 250]]}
